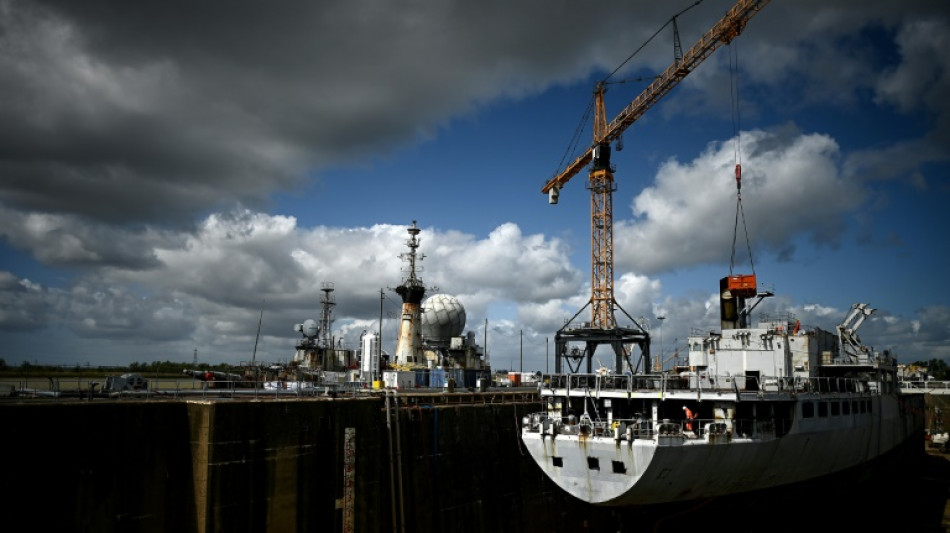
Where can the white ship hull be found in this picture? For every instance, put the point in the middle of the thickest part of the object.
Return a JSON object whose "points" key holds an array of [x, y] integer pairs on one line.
{"points": [[754, 408], [677, 467]]}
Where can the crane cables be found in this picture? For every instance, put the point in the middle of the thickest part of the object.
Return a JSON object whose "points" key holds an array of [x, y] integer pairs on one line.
{"points": [[672, 20], [575, 140], [737, 157]]}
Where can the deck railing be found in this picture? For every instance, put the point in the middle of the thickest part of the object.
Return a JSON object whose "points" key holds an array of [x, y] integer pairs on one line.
{"points": [[163, 388], [186, 388], [630, 429], [928, 386], [704, 382]]}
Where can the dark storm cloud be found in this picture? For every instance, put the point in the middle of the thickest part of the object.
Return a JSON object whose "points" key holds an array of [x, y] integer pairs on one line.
{"points": [[24, 306], [158, 111]]}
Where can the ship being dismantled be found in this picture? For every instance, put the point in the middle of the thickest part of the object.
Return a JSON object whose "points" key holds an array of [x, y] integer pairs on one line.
{"points": [[757, 406]]}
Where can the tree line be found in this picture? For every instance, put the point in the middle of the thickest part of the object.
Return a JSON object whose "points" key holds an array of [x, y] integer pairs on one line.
{"points": [[150, 368]]}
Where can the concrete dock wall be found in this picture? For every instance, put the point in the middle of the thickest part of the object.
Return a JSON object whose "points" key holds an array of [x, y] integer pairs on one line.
{"points": [[100, 466], [434, 463], [274, 465]]}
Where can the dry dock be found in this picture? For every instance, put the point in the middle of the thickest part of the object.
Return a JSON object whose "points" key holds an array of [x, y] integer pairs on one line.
{"points": [[441, 462]]}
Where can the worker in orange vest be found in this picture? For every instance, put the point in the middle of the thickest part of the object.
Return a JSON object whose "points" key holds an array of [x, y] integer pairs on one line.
{"points": [[689, 418]]}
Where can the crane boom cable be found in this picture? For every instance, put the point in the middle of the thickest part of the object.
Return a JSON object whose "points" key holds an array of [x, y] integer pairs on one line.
{"points": [[737, 157], [734, 85], [600, 178], [723, 32], [576, 138], [672, 20], [572, 146], [735, 232], [747, 244]]}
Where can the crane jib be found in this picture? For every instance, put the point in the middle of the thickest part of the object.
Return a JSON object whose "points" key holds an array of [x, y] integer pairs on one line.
{"points": [[727, 29]]}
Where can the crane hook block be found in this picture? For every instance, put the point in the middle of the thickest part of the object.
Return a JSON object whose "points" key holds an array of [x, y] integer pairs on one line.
{"points": [[553, 193], [739, 177]]}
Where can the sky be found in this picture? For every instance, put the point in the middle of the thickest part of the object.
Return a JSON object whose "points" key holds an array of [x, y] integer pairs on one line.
{"points": [[174, 175]]}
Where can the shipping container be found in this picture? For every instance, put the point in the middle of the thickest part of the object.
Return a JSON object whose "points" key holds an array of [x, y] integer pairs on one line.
{"points": [[399, 379]]}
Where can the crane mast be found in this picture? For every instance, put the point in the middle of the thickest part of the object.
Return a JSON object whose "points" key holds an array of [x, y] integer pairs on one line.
{"points": [[601, 180]]}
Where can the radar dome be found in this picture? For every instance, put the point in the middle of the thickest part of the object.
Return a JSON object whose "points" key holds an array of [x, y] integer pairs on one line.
{"points": [[310, 328], [443, 317]]}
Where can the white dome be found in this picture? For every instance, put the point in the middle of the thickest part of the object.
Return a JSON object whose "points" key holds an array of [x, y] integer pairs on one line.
{"points": [[310, 328], [443, 317]]}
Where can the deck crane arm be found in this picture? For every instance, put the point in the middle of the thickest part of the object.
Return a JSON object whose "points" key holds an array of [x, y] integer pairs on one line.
{"points": [[723, 32]]}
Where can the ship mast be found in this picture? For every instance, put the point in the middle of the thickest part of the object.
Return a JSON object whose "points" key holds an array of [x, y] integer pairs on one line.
{"points": [[326, 319], [412, 290]]}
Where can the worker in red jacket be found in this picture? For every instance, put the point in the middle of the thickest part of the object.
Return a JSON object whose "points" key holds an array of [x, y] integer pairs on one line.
{"points": [[690, 415]]}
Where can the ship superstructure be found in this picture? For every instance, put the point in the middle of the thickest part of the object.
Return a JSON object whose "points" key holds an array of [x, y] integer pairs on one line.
{"points": [[317, 352]]}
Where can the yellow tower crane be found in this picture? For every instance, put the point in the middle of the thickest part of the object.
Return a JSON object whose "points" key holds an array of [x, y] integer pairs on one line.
{"points": [[603, 327]]}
